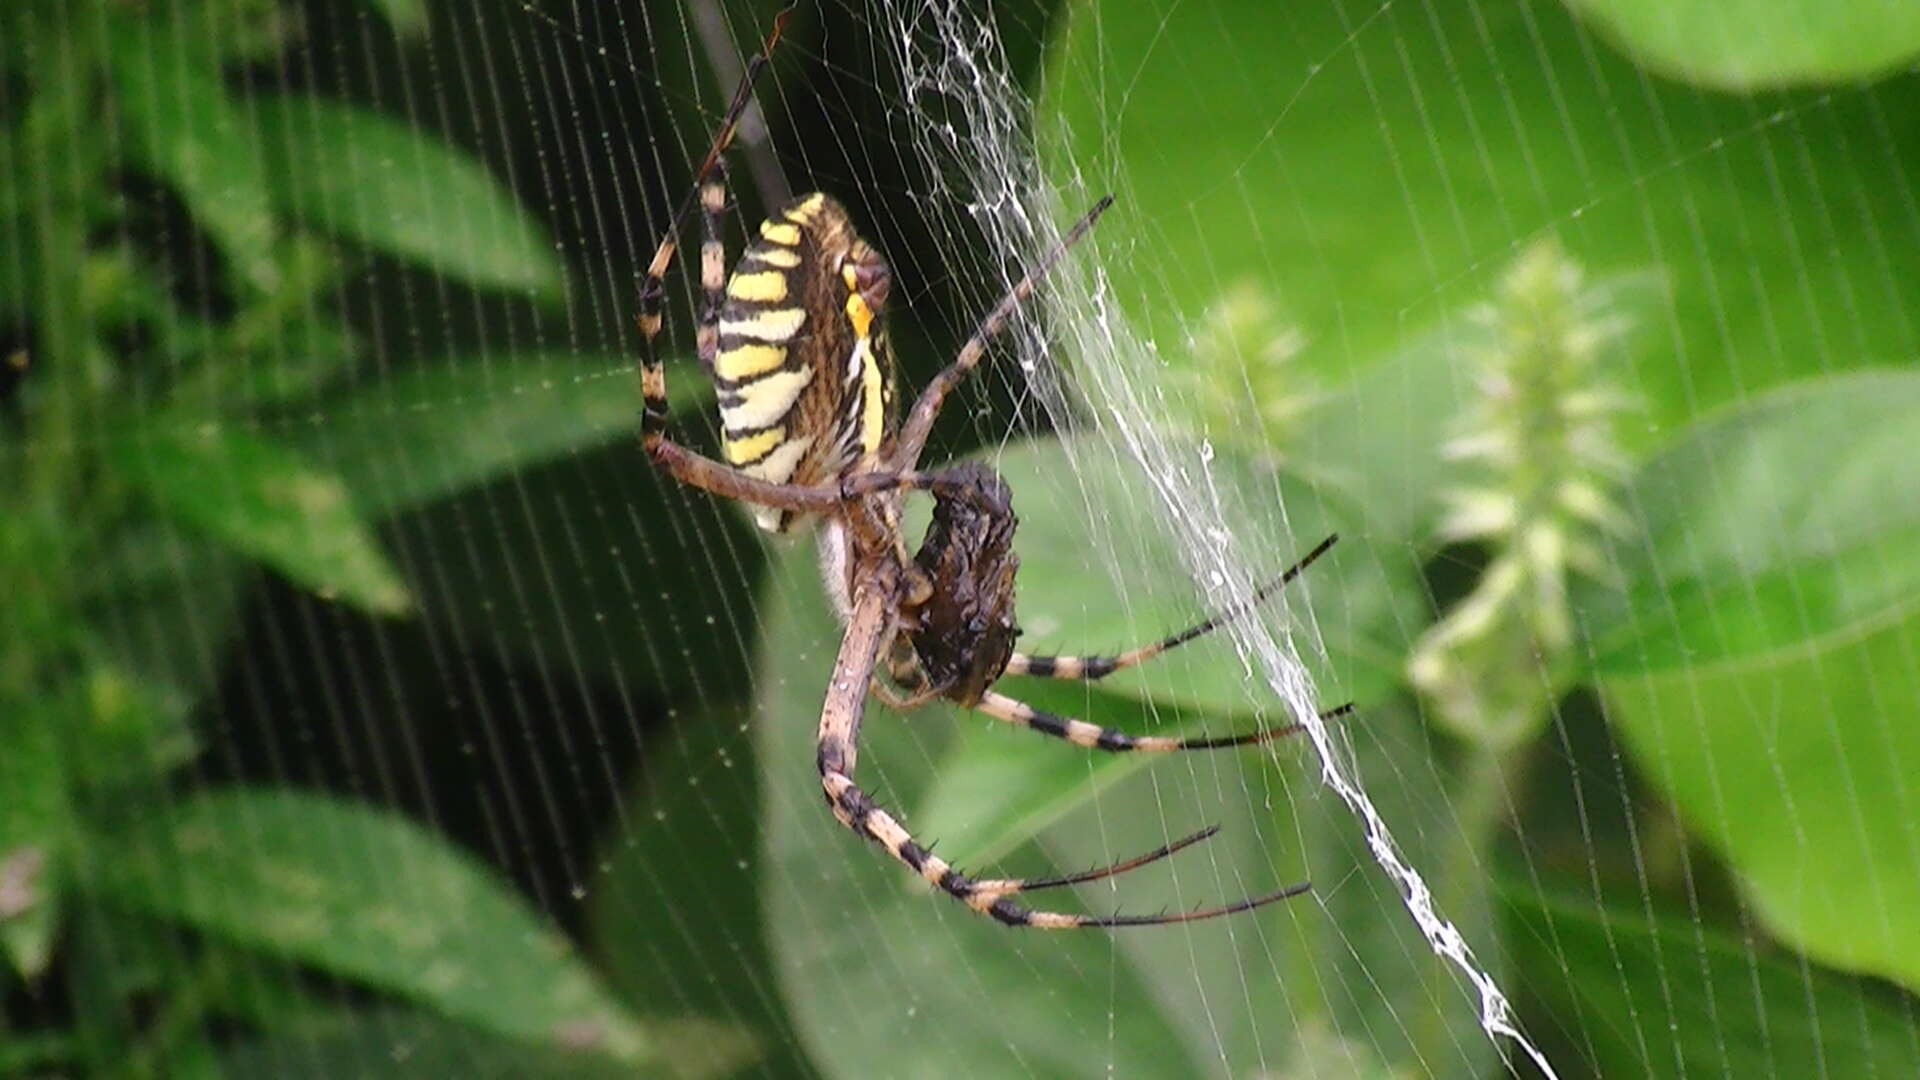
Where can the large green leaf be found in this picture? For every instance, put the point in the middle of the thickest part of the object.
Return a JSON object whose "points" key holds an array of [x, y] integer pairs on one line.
{"points": [[1659, 995], [371, 178], [366, 896], [1103, 572], [162, 601], [191, 134], [1336, 983], [1769, 526], [1799, 769], [459, 422], [533, 442], [677, 915], [1376, 169], [1742, 44], [264, 501], [861, 946], [401, 1045], [862, 955]]}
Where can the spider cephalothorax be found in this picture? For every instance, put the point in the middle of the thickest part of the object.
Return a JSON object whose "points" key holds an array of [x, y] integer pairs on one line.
{"points": [[793, 341]]}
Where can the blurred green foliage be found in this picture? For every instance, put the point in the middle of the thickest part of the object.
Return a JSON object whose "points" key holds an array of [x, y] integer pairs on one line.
{"points": [[1755, 44], [155, 463], [1685, 845]]}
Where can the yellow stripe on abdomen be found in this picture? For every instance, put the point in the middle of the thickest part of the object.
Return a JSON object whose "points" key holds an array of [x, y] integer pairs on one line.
{"points": [[777, 469], [781, 233], [772, 327], [804, 210], [748, 361], [765, 401], [766, 285], [752, 448], [772, 256]]}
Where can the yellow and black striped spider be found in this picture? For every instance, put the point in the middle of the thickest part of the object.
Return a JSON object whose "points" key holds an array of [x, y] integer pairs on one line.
{"points": [[793, 341]]}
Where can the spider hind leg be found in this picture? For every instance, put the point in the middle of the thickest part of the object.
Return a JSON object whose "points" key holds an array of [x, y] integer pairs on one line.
{"points": [[988, 896], [1093, 668], [1094, 737]]}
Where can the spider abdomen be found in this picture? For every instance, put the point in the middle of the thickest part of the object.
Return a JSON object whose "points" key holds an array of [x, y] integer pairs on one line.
{"points": [[965, 631], [802, 366]]}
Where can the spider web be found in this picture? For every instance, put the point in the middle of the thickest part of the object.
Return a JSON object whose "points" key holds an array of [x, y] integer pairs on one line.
{"points": [[495, 752], [977, 130]]}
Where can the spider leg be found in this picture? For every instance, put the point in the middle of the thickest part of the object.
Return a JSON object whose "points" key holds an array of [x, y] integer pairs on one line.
{"points": [[1094, 737], [913, 436], [685, 465], [903, 702], [1005, 886], [941, 483], [653, 379], [857, 811], [1090, 668], [837, 748], [713, 265]]}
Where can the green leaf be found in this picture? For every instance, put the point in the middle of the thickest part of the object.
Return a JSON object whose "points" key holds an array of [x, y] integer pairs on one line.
{"points": [[1144, 1004], [1749, 44], [163, 602], [525, 423], [99, 732], [459, 422], [1750, 541], [371, 178], [676, 917], [1799, 768], [996, 790], [842, 906], [188, 132], [265, 501], [403, 1045], [1379, 441], [1379, 207], [1221, 984], [367, 896], [1103, 572], [407, 17], [268, 992], [118, 731], [1659, 995], [304, 358]]}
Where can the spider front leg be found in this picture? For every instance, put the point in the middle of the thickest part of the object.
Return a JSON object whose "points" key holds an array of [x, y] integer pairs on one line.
{"points": [[653, 377], [913, 435], [710, 192], [837, 749]]}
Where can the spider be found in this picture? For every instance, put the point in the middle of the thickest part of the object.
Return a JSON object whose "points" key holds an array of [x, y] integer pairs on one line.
{"points": [[794, 343]]}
